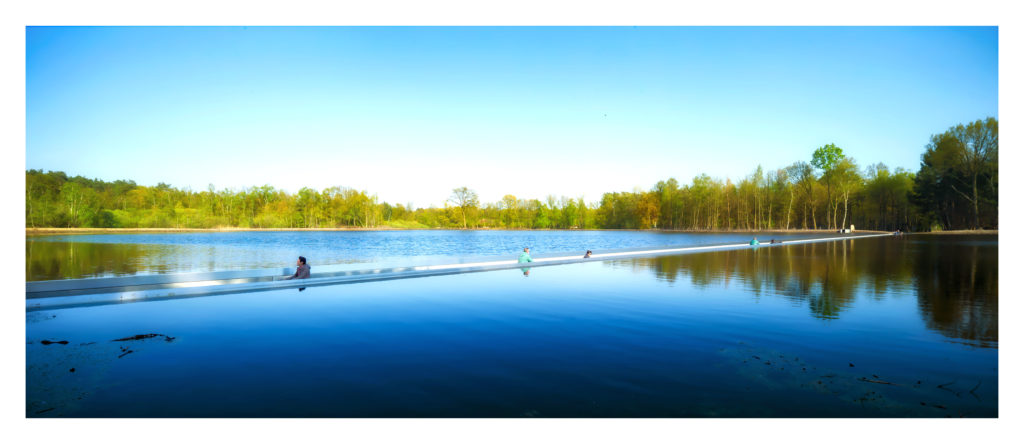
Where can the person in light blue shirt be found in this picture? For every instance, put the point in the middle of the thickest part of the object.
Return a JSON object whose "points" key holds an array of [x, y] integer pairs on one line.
{"points": [[755, 242], [525, 257]]}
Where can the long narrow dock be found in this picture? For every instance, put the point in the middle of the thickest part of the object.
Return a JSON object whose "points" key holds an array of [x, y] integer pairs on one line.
{"points": [[68, 293]]}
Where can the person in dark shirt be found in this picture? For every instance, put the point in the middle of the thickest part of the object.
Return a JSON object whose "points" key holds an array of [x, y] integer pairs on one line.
{"points": [[301, 270]]}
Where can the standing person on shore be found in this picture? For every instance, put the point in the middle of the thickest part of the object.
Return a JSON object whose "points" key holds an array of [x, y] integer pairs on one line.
{"points": [[301, 269]]}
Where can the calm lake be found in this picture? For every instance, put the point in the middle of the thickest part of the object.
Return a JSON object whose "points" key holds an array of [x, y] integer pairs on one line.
{"points": [[107, 255], [881, 327]]}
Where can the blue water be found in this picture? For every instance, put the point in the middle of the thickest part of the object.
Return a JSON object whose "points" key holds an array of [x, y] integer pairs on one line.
{"points": [[105, 255], [788, 331]]}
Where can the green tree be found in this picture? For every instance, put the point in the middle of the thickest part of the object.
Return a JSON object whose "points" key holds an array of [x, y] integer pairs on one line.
{"points": [[957, 185], [509, 211], [825, 159], [465, 199], [848, 181], [977, 155]]}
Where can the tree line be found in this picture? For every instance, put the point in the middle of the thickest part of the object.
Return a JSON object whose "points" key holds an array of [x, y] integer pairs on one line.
{"points": [[956, 187]]}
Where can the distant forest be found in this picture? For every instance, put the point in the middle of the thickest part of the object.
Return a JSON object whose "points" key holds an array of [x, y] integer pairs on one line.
{"points": [[956, 187]]}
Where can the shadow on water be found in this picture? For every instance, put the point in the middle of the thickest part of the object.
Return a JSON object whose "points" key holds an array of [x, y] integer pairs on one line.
{"points": [[954, 278]]}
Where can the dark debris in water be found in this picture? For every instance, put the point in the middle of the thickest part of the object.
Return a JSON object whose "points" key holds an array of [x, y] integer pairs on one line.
{"points": [[876, 381], [60, 377], [848, 385], [141, 337], [138, 337]]}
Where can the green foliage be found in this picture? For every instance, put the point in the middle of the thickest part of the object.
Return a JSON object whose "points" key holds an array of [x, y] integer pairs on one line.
{"points": [[404, 224], [825, 158], [956, 187]]}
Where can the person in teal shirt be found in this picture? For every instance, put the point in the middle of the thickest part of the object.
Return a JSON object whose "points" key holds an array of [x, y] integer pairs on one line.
{"points": [[525, 257], [755, 242]]}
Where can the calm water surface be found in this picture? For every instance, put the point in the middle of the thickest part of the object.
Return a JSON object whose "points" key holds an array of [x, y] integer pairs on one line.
{"points": [[885, 327], [106, 255]]}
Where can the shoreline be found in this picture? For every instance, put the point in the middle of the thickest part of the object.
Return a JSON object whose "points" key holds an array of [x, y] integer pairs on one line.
{"points": [[55, 231], [959, 232]]}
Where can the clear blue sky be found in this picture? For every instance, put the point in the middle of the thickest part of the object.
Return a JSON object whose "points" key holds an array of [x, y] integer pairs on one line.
{"points": [[410, 113]]}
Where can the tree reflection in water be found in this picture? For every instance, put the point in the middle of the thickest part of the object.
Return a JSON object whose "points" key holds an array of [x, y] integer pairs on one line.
{"points": [[46, 260], [50, 260], [958, 289], [955, 278], [71, 260]]}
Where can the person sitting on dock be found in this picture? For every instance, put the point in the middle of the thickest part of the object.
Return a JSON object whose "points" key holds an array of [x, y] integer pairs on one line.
{"points": [[301, 271], [754, 241], [587, 256], [525, 257]]}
